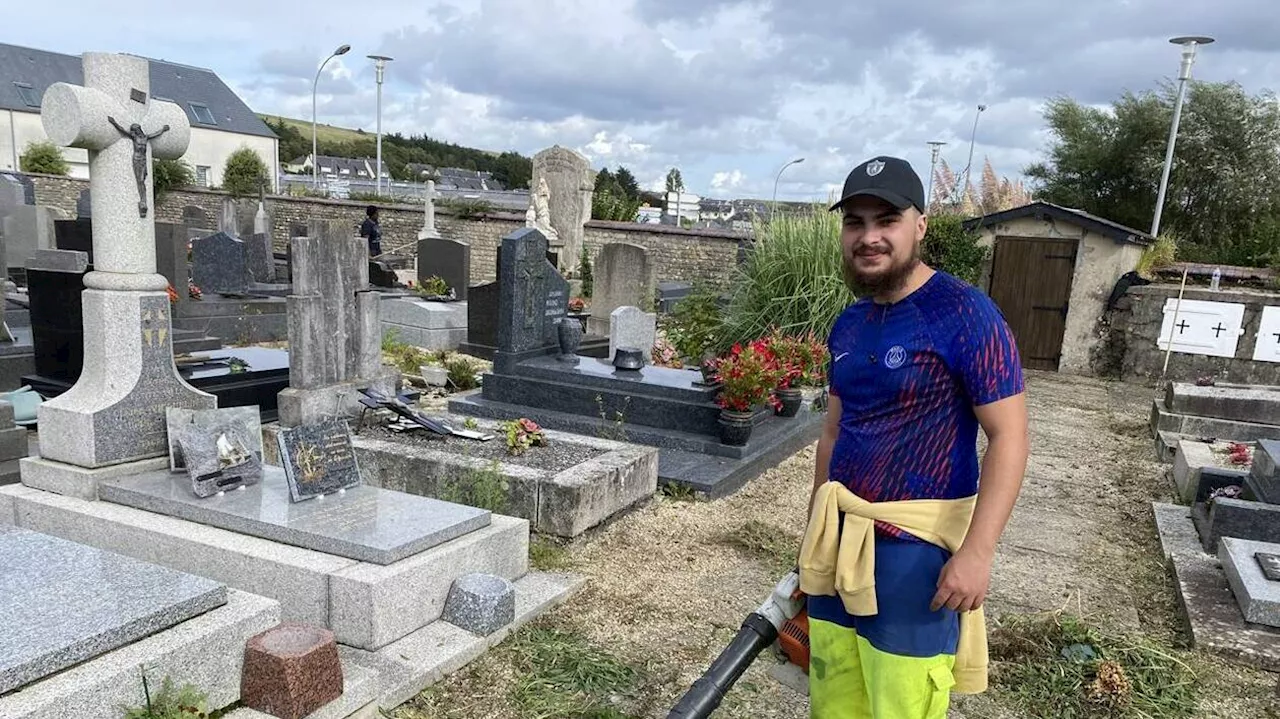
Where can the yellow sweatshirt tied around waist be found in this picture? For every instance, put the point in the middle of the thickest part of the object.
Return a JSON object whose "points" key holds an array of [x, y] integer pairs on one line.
{"points": [[843, 563]]}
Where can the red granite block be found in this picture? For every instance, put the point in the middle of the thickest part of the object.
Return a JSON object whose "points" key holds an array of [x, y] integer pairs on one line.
{"points": [[290, 671]]}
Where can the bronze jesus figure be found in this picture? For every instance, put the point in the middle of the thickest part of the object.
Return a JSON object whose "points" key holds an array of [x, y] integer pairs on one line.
{"points": [[141, 141]]}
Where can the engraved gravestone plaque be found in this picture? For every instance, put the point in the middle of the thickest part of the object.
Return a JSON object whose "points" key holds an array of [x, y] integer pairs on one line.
{"points": [[1270, 564], [318, 459]]}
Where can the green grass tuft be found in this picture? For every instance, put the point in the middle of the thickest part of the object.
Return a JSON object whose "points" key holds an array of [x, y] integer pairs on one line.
{"points": [[562, 675], [775, 547]]}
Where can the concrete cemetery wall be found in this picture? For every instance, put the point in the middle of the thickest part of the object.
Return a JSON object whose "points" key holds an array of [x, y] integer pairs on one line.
{"points": [[680, 254], [1135, 325]]}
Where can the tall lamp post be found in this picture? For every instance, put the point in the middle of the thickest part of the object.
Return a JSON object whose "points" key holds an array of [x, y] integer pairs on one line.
{"points": [[1189, 45], [936, 146], [315, 159], [972, 137], [796, 161], [380, 65]]}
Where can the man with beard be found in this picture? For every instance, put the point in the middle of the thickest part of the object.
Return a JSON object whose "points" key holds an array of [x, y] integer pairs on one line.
{"points": [[897, 554]]}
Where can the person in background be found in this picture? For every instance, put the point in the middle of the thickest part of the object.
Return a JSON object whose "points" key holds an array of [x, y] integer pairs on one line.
{"points": [[371, 230]]}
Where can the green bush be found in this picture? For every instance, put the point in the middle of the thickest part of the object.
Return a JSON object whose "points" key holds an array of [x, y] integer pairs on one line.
{"points": [[951, 248], [792, 280], [584, 271], [243, 172], [694, 323], [44, 157], [462, 373], [169, 175]]}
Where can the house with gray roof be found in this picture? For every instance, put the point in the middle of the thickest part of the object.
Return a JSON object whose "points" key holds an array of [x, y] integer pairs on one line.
{"points": [[221, 122]]}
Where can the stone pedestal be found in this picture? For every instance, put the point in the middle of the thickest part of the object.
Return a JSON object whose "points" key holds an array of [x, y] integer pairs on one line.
{"points": [[298, 407], [127, 381], [291, 671], [480, 603]]}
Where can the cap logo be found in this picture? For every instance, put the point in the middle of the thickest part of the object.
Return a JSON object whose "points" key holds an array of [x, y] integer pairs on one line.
{"points": [[874, 167]]}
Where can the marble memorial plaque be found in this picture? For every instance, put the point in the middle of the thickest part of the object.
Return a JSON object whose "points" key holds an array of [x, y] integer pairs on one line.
{"points": [[248, 420], [318, 459], [364, 523], [1270, 564], [218, 459], [64, 603]]}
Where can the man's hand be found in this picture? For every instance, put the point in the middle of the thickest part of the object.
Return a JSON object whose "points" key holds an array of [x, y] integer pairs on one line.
{"points": [[963, 583]]}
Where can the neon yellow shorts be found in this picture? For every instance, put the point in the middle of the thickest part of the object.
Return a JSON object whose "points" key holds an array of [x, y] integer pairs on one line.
{"points": [[850, 679]]}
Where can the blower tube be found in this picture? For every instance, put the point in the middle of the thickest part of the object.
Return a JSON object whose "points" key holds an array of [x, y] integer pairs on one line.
{"points": [[756, 635]]}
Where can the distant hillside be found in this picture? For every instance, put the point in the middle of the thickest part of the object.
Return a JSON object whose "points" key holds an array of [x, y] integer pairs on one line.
{"points": [[512, 169]]}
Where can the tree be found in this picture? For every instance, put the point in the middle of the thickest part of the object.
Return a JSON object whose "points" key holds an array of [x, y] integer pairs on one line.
{"points": [[243, 172], [1223, 199], [675, 183], [627, 182], [44, 157]]}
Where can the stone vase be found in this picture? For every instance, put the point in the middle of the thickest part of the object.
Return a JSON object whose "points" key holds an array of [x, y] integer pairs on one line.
{"points": [[569, 333], [790, 399], [735, 427]]}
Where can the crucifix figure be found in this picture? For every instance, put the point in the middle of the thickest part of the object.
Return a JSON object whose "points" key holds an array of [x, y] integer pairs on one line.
{"points": [[141, 143]]}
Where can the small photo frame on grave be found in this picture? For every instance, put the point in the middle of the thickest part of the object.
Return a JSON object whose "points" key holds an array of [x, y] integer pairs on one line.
{"points": [[318, 459], [218, 459]]}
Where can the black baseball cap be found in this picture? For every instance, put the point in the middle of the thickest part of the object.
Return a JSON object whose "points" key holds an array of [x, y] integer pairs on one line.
{"points": [[888, 178]]}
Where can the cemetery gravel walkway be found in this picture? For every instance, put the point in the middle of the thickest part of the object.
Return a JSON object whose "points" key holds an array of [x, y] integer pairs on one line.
{"points": [[671, 581]]}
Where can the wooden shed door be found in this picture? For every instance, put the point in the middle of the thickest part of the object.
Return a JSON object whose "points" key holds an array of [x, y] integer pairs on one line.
{"points": [[1031, 283]]}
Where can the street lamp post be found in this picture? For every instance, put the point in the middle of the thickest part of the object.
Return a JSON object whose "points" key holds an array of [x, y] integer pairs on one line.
{"points": [[796, 161], [972, 138], [936, 146], [315, 159], [1189, 45], [379, 64]]}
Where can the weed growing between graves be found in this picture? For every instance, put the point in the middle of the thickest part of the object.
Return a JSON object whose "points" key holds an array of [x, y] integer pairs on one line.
{"points": [[774, 546], [1055, 664], [614, 429], [462, 373], [186, 702], [485, 488]]}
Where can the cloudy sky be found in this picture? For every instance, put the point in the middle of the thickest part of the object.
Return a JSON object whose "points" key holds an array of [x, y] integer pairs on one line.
{"points": [[727, 90]]}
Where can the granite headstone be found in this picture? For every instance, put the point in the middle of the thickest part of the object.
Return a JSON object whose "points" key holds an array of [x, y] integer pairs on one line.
{"points": [[84, 204], [449, 260], [245, 422], [219, 263], [623, 276], [218, 460], [571, 182], [318, 459], [632, 327]]}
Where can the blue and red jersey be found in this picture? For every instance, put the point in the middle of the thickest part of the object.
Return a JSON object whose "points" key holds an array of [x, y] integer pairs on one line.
{"points": [[908, 376]]}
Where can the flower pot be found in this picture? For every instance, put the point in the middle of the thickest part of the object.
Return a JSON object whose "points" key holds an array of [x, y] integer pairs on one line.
{"points": [[790, 399], [735, 427], [569, 333]]}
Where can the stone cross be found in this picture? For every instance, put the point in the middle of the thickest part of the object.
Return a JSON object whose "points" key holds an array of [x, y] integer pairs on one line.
{"points": [[429, 231], [114, 117]]}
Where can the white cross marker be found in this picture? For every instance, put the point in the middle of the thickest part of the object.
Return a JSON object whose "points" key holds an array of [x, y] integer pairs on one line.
{"points": [[115, 118], [429, 218]]}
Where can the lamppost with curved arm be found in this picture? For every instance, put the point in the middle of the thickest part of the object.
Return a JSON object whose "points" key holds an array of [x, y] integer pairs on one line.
{"points": [[315, 159], [796, 161]]}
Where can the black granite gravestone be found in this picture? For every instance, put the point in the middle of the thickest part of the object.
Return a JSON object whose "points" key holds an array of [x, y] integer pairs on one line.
{"points": [[318, 458], [219, 263], [449, 260], [84, 207], [171, 257], [381, 274], [193, 216], [54, 283], [74, 235]]}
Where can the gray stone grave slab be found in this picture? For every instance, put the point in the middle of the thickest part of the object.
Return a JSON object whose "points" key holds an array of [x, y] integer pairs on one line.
{"points": [[449, 260], [624, 277], [318, 458], [1239, 518], [17, 189], [249, 419], [64, 603], [220, 263], [1260, 404], [1258, 597], [27, 229], [632, 327], [1265, 472], [363, 523], [195, 216]]}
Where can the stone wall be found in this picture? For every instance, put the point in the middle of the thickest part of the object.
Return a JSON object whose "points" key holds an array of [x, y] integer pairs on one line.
{"points": [[680, 255], [1129, 348]]}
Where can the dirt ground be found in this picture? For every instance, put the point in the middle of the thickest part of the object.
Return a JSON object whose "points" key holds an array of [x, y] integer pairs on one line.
{"points": [[671, 581]]}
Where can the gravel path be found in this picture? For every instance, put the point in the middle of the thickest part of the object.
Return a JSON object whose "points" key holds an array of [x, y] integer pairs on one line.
{"points": [[667, 589]]}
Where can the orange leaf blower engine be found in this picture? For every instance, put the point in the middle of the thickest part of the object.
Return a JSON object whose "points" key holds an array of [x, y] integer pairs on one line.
{"points": [[781, 623]]}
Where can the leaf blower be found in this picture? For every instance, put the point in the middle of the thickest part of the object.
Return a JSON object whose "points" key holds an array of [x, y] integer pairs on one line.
{"points": [[782, 623]]}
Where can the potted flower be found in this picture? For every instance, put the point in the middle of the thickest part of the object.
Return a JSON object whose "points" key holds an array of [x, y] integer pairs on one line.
{"points": [[747, 377], [789, 352]]}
